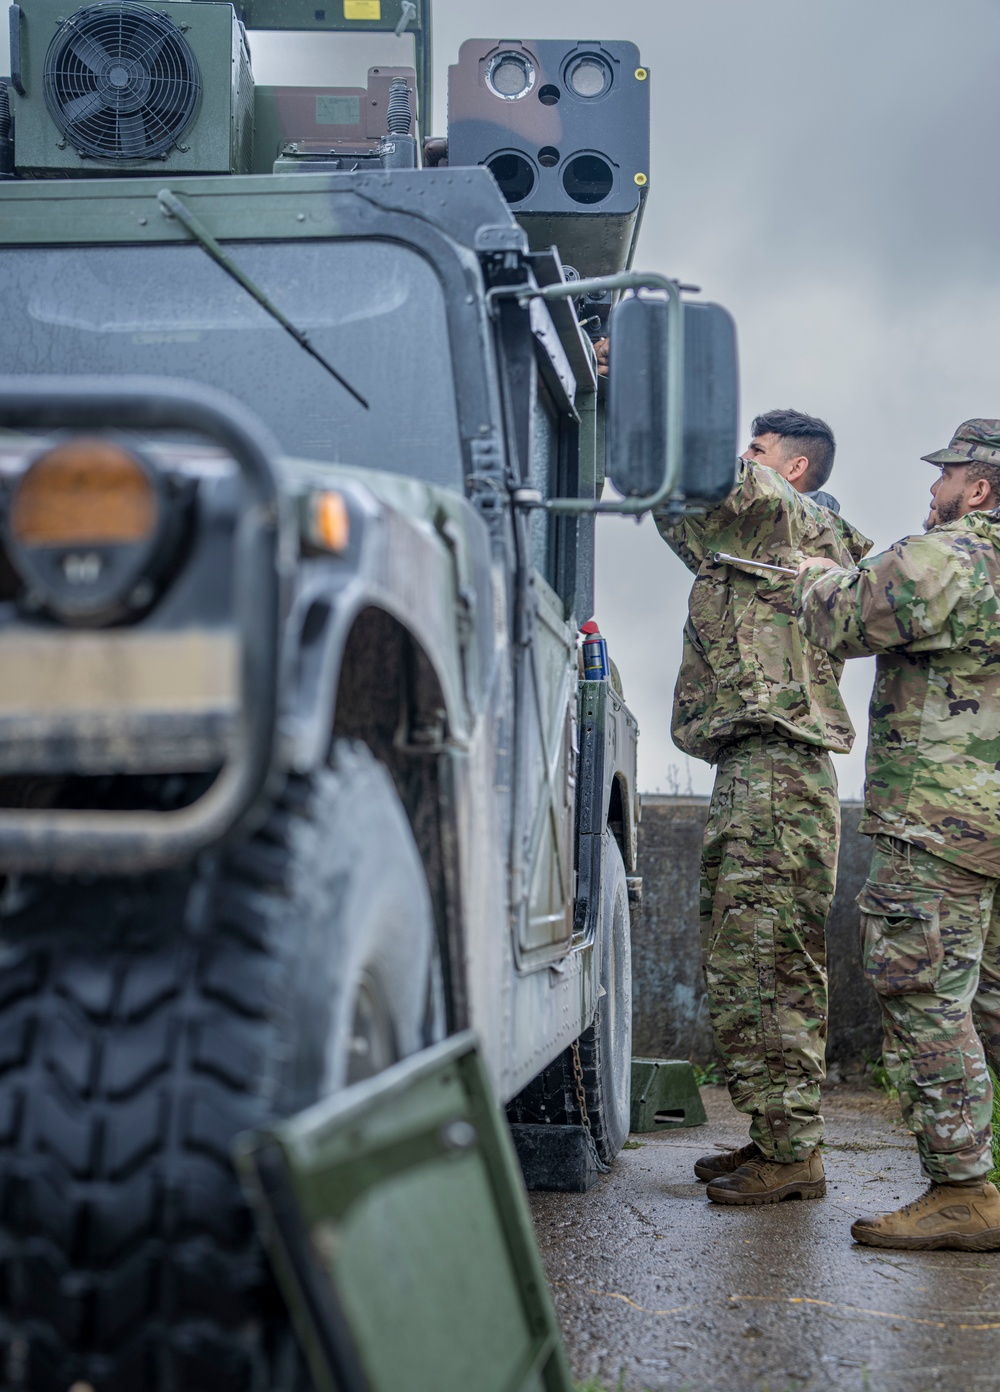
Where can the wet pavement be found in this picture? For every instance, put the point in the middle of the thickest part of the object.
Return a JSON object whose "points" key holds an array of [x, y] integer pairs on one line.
{"points": [[661, 1289]]}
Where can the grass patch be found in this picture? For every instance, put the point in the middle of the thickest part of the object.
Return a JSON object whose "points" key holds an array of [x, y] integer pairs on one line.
{"points": [[879, 1078], [632, 1145], [708, 1074]]}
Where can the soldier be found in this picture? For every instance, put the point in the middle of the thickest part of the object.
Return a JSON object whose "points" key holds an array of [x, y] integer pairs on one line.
{"points": [[763, 705], [929, 607]]}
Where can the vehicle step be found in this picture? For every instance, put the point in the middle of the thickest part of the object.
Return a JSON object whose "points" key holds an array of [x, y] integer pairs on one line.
{"points": [[665, 1095]]}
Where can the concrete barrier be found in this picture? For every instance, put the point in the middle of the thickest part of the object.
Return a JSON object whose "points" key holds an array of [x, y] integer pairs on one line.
{"points": [[670, 1012]]}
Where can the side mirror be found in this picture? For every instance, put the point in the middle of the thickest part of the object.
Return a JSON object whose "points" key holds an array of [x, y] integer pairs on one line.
{"points": [[639, 408]]}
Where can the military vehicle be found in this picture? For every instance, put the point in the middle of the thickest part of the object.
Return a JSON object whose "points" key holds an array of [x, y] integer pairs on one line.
{"points": [[301, 449]]}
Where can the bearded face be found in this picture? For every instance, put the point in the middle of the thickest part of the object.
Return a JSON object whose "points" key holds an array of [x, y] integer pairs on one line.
{"points": [[943, 511]]}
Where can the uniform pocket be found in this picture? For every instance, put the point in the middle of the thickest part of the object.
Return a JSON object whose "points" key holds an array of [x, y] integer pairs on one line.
{"points": [[901, 938]]}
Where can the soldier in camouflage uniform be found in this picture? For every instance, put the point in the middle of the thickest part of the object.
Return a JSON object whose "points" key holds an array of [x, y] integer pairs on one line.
{"points": [[930, 608], [763, 705]]}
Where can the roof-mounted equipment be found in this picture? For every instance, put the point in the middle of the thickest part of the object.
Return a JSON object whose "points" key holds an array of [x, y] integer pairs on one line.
{"points": [[564, 129], [120, 88]]}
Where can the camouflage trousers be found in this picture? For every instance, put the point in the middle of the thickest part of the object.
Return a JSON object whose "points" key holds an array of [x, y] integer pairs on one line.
{"points": [[769, 870], [931, 948]]}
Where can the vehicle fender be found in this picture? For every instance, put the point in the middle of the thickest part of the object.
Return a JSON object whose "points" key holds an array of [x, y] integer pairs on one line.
{"points": [[419, 571]]}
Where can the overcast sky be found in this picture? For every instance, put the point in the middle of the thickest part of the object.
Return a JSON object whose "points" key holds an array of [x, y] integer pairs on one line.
{"points": [[824, 169]]}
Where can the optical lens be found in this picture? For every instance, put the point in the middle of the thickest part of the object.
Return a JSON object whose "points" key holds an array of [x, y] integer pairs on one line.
{"points": [[514, 175], [588, 179], [510, 75], [590, 77]]}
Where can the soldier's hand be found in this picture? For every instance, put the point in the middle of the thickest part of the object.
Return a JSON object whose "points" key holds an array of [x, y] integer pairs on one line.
{"points": [[602, 348], [823, 561]]}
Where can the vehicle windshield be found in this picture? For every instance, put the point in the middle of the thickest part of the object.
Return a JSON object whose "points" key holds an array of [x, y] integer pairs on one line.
{"points": [[374, 309]]}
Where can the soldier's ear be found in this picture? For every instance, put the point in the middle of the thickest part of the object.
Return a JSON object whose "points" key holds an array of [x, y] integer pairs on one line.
{"points": [[981, 495], [797, 468]]}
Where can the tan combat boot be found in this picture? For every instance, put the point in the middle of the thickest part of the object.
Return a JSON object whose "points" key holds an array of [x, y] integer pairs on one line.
{"points": [[761, 1181], [962, 1216], [724, 1161]]}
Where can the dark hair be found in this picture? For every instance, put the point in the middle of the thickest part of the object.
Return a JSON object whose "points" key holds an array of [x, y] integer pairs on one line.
{"points": [[806, 435]]}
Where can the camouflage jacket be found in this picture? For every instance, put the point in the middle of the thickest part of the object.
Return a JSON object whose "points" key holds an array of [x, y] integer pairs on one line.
{"points": [[746, 668], [930, 608]]}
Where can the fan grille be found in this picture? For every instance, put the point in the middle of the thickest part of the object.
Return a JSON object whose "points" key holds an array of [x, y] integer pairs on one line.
{"points": [[121, 82]]}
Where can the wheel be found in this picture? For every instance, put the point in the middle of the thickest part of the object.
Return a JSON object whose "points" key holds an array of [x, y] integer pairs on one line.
{"points": [[143, 1024], [605, 1047]]}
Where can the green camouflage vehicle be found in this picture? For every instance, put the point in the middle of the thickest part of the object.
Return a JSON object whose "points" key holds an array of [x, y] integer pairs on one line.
{"points": [[301, 446]]}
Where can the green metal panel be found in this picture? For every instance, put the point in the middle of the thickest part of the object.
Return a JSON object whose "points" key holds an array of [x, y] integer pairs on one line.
{"points": [[220, 139], [49, 212], [324, 121], [665, 1096], [395, 1217], [340, 15], [358, 17]]}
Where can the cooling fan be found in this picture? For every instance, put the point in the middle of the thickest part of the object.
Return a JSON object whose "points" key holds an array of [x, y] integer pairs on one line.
{"points": [[121, 82]]}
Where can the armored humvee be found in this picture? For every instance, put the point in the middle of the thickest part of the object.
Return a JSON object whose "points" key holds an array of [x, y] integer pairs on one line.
{"points": [[301, 448]]}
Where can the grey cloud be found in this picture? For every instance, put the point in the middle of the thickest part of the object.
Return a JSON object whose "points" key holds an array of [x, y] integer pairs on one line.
{"points": [[823, 169]]}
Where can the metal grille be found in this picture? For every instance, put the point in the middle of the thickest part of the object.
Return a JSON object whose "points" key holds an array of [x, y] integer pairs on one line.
{"points": [[121, 82]]}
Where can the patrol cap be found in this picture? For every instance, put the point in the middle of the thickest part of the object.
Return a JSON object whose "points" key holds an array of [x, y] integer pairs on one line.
{"points": [[974, 439]]}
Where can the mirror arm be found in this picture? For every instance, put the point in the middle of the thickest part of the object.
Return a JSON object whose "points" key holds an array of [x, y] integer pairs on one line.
{"points": [[626, 280]]}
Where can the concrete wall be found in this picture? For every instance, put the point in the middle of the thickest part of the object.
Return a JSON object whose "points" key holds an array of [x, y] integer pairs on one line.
{"points": [[670, 1013]]}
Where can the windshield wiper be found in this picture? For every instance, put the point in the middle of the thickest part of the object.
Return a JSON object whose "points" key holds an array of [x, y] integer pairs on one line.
{"points": [[173, 207]]}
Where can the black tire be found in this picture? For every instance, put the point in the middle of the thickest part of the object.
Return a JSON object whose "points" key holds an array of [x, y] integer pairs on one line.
{"points": [[145, 1022], [605, 1047]]}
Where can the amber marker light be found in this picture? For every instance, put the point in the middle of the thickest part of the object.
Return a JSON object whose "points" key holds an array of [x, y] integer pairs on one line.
{"points": [[329, 522], [84, 492]]}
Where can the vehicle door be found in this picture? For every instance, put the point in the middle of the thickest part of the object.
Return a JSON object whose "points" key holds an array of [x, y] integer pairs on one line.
{"points": [[546, 672], [395, 1218]]}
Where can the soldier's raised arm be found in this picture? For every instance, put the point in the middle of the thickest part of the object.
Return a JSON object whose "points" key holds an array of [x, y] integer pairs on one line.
{"points": [[764, 517], [746, 517], [917, 596]]}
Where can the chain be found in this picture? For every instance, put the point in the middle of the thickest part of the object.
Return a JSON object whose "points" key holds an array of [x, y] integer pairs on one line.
{"points": [[581, 1091], [581, 1101]]}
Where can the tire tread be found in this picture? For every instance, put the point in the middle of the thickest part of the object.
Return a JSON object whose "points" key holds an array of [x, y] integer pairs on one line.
{"points": [[132, 1050]]}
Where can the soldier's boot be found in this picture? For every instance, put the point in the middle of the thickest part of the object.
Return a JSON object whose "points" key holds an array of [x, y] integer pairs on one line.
{"points": [[762, 1181], [724, 1162], [963, 1216]]}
